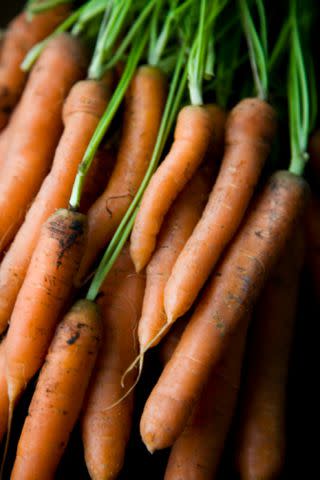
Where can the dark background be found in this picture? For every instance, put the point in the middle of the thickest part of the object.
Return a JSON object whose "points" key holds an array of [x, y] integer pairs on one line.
{"points": [[302, 408]]}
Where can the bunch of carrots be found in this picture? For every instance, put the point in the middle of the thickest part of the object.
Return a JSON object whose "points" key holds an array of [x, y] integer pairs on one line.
{"points": [[153, 197]]}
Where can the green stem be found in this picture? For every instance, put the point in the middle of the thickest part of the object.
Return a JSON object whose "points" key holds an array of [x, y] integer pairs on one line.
{"points": [[177, 88], [131, 34], [133, 60], [35, 7], [97, 8], [196, 64]]}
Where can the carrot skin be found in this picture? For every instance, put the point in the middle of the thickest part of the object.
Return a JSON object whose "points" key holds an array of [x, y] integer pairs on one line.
{"points": [[176, 229], [193, 132], [197, 452], [229, 296], [260, 450], [46, 288], [143, 112], [59, 393], [105, 432], [4, 399], [82, 110], [250, 129], [35, 136], [20, 36]]}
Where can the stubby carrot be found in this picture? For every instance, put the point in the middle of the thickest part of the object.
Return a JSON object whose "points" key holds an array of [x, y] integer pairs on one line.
{"points": [[143, 112], [22, 34], [59, 393], [178, 226], [4, 400], [193, 132], [37, 129], [46, 288], [249, 132], [196, 454], [260, 450], [234, 287], [81, 113], [105, 431]]}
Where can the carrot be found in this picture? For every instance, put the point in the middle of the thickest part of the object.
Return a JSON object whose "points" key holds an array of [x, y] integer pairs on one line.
{"points": [[105, 431], [84, 106], [312, 231], [249, 132], [46, 288], [59, 393], [230, 295], [176, 229], [20, 36], [4, 400], [197, 452], [194, 128], [260, 450], [143, 111], [36, 134], [97, 177]]}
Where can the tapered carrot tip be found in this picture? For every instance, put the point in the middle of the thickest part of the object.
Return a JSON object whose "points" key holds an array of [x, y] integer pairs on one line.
{"points": [[154, 432]]}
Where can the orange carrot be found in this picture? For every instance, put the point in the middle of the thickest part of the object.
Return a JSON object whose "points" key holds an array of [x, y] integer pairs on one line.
{"points": [[37, 129], [194, 129], [261, 441], [249, 131], [20, 36], [46, 288], [178, 225], [81, 113], [105, 432], [312, 230], [229, 296], [143, 111], [97, 177], [196, 454], [4, 400], [58, 397]]}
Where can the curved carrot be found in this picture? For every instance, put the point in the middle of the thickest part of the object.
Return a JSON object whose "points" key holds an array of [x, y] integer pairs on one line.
{"points": [[194, 128], [260, 450], [37, 129], [105, 432], [233, 289], [176, 229], [81, 113], [196, 454], [4, 400], [249, 131], [59, 393], [143, 111], [46, 288], [20, 36]]}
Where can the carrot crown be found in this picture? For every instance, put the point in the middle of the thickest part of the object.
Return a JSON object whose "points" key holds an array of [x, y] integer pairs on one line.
{"points": [[257, 45]]}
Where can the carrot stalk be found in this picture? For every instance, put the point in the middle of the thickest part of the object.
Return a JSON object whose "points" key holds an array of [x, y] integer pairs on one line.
{"points": [[233, 289], [59, 393]]}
